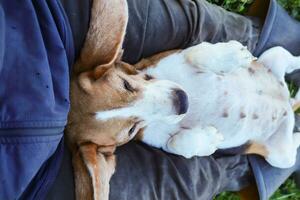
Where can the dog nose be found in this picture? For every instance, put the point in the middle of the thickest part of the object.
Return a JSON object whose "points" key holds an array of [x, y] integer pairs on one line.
{"points": [[180, 101]]}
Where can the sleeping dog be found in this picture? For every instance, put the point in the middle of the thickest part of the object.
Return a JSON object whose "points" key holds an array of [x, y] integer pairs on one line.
{"points": [[188, 102], [209, 97]]}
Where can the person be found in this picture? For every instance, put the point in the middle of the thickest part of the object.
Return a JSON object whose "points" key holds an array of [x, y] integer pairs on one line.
{"points": [[38, 46]]}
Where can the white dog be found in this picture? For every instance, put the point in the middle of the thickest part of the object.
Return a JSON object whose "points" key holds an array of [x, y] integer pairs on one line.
{"points": [[233, 99]]}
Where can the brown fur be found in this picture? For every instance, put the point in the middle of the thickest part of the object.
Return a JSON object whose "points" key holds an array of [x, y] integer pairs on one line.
{"points": [[139, 136], [97, 84], [296, 106], [89, 94], [105, 36], [256, 148], [91, 146], [83, 183], [93, 170], [153, 60]]}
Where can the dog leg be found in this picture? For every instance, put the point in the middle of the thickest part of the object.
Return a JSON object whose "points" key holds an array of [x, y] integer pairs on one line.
{"points": [[282, 145], [153, 60], [279, 61], [220, 57], [295, 102], [194, 142], [100, 168]]}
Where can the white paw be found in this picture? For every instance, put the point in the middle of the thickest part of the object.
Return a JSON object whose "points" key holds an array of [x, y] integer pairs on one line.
{"points": [[282, 160], [219, 57], [213, 135], [285, 156], [296, 140], [195, 142]]}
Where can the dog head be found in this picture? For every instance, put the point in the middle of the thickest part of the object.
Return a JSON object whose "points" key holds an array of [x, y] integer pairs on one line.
{"points": [[114, 102], [110, 101]]}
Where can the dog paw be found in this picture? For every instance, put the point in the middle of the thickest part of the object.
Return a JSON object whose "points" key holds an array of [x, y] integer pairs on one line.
{"points": [[213, 135], [195, 142], [296, 140], [221, 57]]}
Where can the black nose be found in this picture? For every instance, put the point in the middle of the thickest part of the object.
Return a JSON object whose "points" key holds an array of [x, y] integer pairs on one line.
{"points": [[180, 100]]}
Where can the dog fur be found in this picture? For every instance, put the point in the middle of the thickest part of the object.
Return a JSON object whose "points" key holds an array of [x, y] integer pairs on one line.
{"points": [[233, 99], [91, 147]]}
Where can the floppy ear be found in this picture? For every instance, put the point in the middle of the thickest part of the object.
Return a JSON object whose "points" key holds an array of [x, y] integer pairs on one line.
{"points": [[83, 183], [86, 79], [153, 60], [105, 36], [127, 68], [93, 171]]}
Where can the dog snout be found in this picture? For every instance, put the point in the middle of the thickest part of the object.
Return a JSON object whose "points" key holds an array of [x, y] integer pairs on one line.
{"points": [[180, 101]]}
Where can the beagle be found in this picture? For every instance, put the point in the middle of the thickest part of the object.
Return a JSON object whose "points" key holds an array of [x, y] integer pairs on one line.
{"points": [[188, 102]]}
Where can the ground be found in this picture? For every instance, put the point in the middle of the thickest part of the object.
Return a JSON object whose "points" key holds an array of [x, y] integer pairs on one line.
{"points": [[288, 191]]}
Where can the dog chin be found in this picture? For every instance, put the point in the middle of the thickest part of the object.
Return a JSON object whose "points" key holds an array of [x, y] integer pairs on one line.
{"points": [[173, 119]]}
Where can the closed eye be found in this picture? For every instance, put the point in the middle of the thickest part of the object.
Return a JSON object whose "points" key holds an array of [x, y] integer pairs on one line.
{"points": [[148, 77], [127, 86], [131, 131]]}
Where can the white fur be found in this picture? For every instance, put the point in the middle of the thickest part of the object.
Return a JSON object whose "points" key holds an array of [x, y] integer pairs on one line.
{"points": [[219, 82], [198, 56], [156, 104], [233, 99]]}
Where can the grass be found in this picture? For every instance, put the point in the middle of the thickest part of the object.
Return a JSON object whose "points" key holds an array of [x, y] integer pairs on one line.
{"points": [[238, 6], [288, 191], [227, 196]]}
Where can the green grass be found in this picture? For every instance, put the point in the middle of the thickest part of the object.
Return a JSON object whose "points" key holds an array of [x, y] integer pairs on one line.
{"points": [[227, 196], [288, 191], [238, 6]]}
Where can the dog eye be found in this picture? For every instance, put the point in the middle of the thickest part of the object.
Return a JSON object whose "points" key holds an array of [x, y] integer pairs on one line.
{"points": [[132, 129], [127, 86], [148, 77]]}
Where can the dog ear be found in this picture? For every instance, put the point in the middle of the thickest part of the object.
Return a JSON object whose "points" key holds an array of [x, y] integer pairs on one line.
{"points": [[83, 184], [99, 168], [127, 68], [153, 60], [86, 79], [105, 36]]}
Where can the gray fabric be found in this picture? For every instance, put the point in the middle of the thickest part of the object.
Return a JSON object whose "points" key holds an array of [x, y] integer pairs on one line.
{"points": [[159, 25], [147, 173], [63, 187], [268, 179]]}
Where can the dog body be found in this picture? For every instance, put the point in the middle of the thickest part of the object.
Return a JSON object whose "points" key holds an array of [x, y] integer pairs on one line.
{"points": [[233, 100]]}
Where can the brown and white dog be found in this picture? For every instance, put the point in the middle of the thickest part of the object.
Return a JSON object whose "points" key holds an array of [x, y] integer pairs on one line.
{"points": [[189, 102]]}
